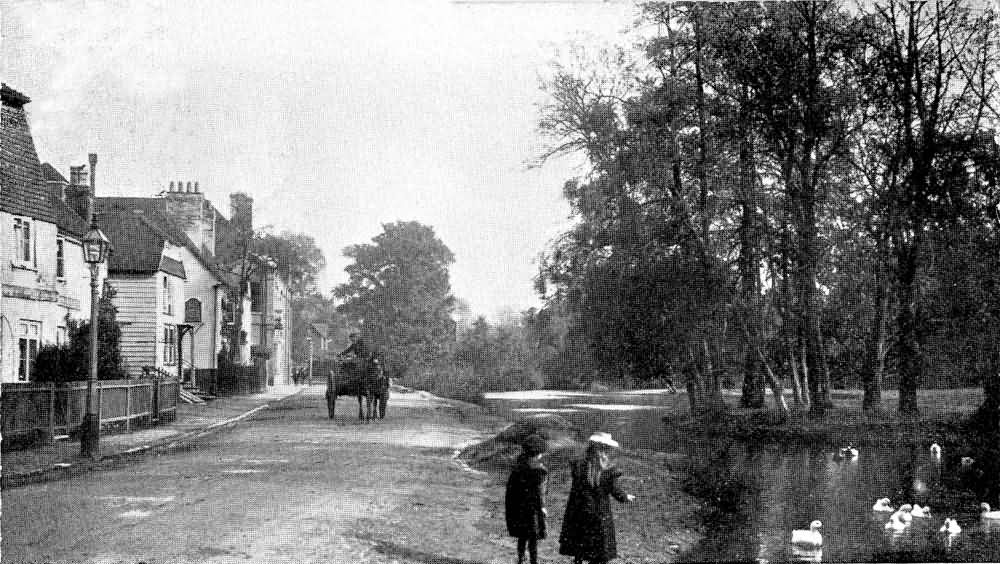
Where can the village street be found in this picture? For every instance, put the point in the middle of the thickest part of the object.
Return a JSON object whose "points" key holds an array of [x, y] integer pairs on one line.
{"points": [[287, 485]]}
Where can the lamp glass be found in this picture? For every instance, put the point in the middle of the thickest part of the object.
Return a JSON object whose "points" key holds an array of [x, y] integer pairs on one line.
{"points": [[95, 246]]}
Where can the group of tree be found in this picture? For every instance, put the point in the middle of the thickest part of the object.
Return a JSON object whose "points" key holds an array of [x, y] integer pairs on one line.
{"points": [[788, 189]]}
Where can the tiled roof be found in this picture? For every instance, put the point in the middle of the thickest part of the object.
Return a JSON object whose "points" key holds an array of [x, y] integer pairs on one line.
{"points": [[22, 187], [67, 219], [149, 212], [49, 173], [136, 246], [172, 266]]}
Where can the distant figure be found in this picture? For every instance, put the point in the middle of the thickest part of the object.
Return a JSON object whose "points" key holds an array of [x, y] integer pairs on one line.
{"points": [[361, 351], [359, 348], [588, 531], [524, 500]]}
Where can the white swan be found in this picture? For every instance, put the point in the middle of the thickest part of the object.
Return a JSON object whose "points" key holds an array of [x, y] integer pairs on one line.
{"points": [[987, 514], [904, 513], [846, 453], [808, 538], [936, 450], [967, 461], [882, 505], [896, 523], [919, 511], [950, 527]]}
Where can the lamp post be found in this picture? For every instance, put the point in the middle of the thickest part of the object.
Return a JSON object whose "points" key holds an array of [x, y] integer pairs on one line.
{"points": [[95, 250], [310, 340]]}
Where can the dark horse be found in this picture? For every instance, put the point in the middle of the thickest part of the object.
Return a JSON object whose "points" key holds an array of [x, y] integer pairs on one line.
{"points": [[350, 379]]}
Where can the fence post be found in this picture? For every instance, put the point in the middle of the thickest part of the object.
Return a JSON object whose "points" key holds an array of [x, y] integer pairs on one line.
{"points": [[156, 397], [100, 400], [52, 413], [128, 407]]}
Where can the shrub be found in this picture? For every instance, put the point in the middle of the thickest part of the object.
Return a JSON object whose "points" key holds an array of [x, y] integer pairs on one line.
{"points": [[59, 364], [446, 380], [71, 362]]}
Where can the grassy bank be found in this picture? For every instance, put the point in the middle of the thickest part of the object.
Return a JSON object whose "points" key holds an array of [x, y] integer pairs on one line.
{"points": [[943, 418]]}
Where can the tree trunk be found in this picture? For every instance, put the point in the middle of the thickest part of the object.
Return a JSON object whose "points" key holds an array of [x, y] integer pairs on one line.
{"points": [[753, 386], [907, 323], [797, 396], [776, 388], [874, 363]]}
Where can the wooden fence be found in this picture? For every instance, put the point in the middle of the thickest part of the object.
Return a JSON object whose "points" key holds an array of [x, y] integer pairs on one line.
{"points": [[33, 410]]}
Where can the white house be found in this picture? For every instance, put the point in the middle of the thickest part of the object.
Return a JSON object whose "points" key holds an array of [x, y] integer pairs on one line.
{"points": [[44, 277], [170, 299]]}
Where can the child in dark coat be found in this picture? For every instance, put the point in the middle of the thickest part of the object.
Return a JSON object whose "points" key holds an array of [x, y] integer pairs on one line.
{"points": [[588, 531], [525, 498]]}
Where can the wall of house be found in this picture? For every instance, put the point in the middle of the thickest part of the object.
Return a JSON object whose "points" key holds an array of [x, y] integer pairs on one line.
{"points": [[174, 314], [206, 335], [75, 284], [136, 297], [265, 334], [282, 346], [34, 302]]}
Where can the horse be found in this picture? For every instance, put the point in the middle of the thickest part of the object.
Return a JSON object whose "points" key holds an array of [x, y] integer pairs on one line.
{"points": [[370, 385]]}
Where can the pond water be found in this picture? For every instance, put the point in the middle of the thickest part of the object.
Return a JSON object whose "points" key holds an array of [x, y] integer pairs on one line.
{"points": [[763, 492]]}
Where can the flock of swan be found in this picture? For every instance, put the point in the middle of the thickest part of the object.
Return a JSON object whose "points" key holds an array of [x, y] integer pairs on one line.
{"points": [[899, 518]]}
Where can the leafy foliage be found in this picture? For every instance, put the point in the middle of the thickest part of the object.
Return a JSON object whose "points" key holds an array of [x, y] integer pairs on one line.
{"points": [[71, 361], [790, 187], [298, 258], [399, 294]]}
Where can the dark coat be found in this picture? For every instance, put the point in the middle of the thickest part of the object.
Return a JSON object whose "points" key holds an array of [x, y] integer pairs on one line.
{"points": [[588, 528], [525, 499], [360, 349]]}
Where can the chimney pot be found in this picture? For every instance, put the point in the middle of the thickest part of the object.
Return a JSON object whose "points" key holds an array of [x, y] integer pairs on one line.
{"points": [[93, 186]]}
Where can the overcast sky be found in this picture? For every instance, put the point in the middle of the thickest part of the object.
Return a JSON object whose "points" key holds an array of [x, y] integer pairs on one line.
{"points": [[336, 117]]}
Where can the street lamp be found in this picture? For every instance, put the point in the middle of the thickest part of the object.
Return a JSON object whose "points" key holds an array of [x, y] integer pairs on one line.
{"points": [[310, 340], [95, 251]]}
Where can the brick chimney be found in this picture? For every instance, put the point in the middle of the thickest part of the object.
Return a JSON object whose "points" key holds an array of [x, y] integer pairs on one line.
{"points": [[92, 157], [78, 192], [241, 213], [187, 207]]}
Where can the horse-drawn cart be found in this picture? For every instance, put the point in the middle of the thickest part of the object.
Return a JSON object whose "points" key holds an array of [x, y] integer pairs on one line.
{"points": [[366, 381]]}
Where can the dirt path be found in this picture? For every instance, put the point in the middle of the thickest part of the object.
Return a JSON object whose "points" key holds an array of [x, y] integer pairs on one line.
{"points": [[289, 485]]}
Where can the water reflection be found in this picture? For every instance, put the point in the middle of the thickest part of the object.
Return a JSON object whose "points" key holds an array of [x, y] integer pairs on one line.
{"points": [[761, 492], [777, 489]]}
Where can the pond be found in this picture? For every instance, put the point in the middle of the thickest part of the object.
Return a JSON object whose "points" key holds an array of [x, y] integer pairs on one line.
{"points": [[763, 492]]}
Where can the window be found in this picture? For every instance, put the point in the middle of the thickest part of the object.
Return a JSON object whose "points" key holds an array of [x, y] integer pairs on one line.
{"points": [[62, 336], [27, 348], [23, 242], [169, 344], [256, 297], [60, 258], [168, 299]]}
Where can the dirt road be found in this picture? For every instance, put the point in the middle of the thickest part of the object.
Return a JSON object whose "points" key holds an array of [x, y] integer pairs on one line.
{"points": [[289, 485]]}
